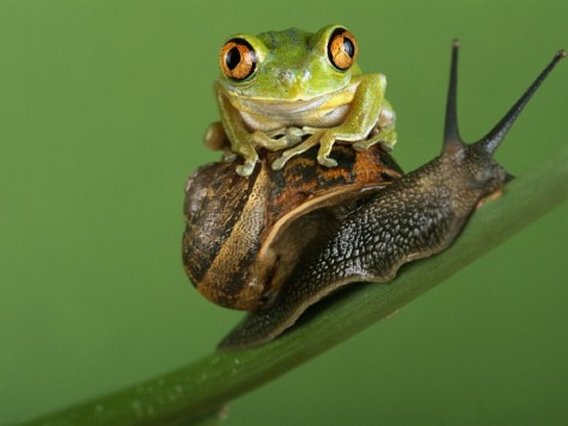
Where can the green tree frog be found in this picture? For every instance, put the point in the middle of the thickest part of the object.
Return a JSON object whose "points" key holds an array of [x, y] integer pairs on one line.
{"points": [[292, 90]]}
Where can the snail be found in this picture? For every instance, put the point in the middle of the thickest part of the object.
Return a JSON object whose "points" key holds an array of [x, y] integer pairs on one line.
{"points": [[277, 242]]}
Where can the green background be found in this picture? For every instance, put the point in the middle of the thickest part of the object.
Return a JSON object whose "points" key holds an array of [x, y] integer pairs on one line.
{"points": [[103, 105]]}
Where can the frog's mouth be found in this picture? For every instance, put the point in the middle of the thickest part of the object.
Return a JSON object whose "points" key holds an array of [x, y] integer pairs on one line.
{"points": [[292, 107], [281, 106]]}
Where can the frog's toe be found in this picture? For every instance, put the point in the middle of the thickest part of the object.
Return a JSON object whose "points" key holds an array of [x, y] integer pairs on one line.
{"points": [[279, 163], [359, 146], [388, 140], [229, 156], [245, 169], [327, 162], [308, 130], [294, 135]]}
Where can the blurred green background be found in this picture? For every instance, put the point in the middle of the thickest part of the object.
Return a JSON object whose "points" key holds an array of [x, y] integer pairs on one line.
{"points": [[103, 105]]}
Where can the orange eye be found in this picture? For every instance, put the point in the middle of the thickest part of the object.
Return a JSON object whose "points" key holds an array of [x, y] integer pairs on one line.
{"points": [[342, 49], [237, 59]]}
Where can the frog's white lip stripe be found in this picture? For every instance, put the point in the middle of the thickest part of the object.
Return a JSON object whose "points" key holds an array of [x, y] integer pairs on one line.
{"points": [[279, 106]]}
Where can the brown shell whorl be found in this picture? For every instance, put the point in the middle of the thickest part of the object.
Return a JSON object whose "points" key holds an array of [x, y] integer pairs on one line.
{"points": [[243, 235]]}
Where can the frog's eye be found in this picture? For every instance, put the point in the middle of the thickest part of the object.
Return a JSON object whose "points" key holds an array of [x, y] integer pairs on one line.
{"points": [[237, 59], [342, 49]]}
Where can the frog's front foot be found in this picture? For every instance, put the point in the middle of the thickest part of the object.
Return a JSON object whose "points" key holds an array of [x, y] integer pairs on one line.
{"points": [[251, 158], [279, 163], [325, 138], [287, 138], [326, 144]]}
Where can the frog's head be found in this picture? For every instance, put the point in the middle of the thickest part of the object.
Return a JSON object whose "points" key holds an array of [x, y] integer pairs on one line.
{"points": [[289, 65]]}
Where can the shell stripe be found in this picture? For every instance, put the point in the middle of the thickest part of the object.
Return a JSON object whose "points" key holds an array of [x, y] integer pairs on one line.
{"points": [[238, 253], [200, 249]]}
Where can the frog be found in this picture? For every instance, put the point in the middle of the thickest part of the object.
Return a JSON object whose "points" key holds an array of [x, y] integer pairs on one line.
{"points": [[292, 90]]}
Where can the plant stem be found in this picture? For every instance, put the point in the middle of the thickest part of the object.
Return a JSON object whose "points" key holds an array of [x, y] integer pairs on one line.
{"points": [[194, 393]]}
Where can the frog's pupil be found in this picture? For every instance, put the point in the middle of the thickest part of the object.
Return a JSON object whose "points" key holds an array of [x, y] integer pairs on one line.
{"points": [[233, 58], [348, 47]]}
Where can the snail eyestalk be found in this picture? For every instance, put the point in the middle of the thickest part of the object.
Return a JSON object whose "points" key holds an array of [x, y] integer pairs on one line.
{"points": [[452, 137], [493, 139]]}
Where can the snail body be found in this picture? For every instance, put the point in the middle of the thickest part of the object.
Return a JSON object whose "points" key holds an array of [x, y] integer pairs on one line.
{"points": [[367, 237]]}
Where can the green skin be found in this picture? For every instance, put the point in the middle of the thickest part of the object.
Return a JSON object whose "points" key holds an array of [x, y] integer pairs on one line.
{"points": [[296, 91]]}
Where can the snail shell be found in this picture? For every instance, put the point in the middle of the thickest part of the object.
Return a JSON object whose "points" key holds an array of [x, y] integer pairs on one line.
{"points": [[244, 236]]}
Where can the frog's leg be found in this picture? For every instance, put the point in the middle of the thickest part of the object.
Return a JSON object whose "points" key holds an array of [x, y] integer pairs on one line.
{"points": [[281, 131], [385, 136], [237, 133], [290, 136], [385, 131], [362, 117], [313, 140], [307, 130], [216, 140], [215, 137]]}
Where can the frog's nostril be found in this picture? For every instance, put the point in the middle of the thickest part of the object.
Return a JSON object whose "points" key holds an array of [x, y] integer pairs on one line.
{"points": [[287, 77]]}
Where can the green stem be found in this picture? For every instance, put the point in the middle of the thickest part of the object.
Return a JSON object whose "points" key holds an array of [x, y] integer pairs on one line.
{"points": [[194, 393]]}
